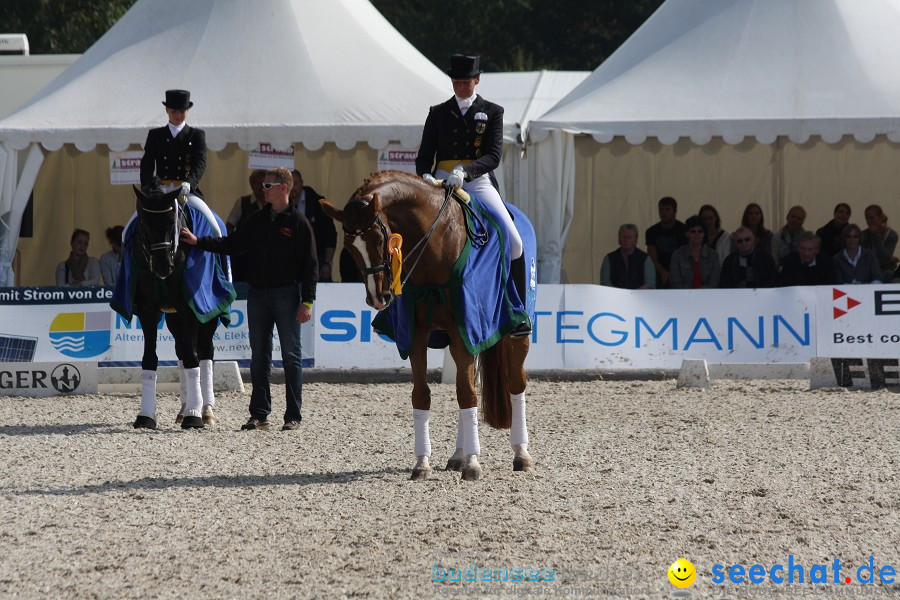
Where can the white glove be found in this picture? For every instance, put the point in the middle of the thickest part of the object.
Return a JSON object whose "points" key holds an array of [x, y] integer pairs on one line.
{"points": [[456, 178], [429, 178], [185, 188]]}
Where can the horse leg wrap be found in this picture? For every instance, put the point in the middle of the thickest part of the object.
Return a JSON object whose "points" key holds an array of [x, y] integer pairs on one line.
{"points": [[148, 394], [468, 418], [518, 431], [194, 397], [182, 383], [206, 382], [423, 436]]}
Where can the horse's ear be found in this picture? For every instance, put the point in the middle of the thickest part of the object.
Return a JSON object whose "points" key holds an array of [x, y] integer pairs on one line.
{"points": [[330, 210], [140, 197]]}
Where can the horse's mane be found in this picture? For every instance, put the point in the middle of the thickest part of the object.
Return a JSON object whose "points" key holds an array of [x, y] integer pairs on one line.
{"points": [[382, 181]]}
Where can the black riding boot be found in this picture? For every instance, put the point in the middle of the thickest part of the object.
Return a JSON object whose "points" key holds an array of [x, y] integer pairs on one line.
{"points": [[517, 272]]}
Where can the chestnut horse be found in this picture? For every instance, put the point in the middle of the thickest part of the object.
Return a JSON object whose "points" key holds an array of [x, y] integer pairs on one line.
{"points": [[434, 234]]}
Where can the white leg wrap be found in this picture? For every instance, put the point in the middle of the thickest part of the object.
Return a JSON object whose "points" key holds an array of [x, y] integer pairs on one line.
{"points": [[460, 438], [206, 382], [423, 436], [148, 394], [468, 419], [518, 431], [194, 397], [182, 383]]}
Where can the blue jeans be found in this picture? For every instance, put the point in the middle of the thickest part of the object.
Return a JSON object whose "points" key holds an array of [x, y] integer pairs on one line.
{"points": [[267, 308]]}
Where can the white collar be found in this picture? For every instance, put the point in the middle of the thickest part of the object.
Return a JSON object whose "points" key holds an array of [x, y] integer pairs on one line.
{"points": [[176, 129], [465, 103]]}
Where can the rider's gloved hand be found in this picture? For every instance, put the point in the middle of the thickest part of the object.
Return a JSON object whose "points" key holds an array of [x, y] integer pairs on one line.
{"points": [[429, 178], [185, 188], [456, 178]]}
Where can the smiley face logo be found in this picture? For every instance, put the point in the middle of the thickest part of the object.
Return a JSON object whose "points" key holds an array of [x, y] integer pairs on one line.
{"points": [[682, 573]]}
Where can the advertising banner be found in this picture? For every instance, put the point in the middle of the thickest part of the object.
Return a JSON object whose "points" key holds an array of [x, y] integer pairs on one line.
{"points": [[859, 321], [52, 324], [125, 167], [267, 157], [398, 158]]}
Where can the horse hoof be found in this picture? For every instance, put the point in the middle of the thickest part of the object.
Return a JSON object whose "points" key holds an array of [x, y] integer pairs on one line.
{"points": [[192, 423], [143, 422], [420, 474], [208, 417], [524, 464], [179, 419], [454, 465], [471, 474]]}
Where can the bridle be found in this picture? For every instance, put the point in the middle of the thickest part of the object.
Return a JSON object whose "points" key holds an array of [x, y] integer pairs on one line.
{"points": [[170, 246], [385, 265]]}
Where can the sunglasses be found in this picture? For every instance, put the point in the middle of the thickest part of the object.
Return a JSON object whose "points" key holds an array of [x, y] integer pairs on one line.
{"points": [[743, 240], [269, 186]]}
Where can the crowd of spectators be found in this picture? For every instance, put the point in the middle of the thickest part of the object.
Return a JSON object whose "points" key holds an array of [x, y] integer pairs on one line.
{"points": [[699, 253]]}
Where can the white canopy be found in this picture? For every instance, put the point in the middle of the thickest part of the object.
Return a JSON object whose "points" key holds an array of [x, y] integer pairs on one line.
{"points": [[736, 68], [275, 71], [263, 71], [525, 95], [765, 70]]}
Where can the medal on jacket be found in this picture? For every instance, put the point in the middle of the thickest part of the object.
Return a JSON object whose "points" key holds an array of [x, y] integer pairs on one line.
{"points": [[477, 142], [480, 127]]}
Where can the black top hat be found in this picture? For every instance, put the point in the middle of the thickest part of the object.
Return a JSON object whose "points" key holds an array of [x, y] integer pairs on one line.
{"points": [[178, 99], [464, 66]]}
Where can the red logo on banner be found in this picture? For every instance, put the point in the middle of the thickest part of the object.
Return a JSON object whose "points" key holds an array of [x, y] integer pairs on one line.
{"points": [[849, 303]]}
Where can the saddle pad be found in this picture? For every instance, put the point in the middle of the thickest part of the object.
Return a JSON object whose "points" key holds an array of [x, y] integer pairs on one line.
{"points": [[484, 300], [205, 280]]}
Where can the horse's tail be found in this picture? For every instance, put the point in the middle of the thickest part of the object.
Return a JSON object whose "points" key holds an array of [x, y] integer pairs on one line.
{"points": [[495, 386]]}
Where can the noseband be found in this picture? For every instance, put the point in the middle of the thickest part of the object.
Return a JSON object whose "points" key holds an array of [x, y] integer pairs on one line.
{"points": [[170, 246]]}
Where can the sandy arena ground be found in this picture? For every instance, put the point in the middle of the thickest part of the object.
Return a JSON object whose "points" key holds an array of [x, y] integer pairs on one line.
{"points": [[630, 476]]}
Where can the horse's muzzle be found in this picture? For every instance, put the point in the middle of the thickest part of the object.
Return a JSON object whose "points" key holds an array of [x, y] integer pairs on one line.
{"points": [[381, 302]]}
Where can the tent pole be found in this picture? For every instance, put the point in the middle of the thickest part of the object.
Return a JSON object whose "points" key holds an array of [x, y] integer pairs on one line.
{"points": [[778, 184]]}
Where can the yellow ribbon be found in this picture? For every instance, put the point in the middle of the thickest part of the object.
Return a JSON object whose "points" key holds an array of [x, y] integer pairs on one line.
{"points": [[393, 244]]}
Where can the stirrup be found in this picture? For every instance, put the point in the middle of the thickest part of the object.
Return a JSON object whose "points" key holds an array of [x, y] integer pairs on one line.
{"points": [[522, 329]]}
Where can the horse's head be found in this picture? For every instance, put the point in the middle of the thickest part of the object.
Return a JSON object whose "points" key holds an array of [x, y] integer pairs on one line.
{"points": [[366, 235], [160, 218]]}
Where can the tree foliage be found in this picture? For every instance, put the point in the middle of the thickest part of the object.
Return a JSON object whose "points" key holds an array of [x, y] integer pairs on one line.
{"points": [[519, 35], [61, 26], [511, 35]]}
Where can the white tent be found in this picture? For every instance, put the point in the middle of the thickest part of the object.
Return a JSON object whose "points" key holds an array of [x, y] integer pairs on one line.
{"points": [[333, 76], [727, 101]]}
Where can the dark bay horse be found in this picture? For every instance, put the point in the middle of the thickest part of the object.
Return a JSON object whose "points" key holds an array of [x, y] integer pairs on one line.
{"points": [[434, 236], [153, 280]]}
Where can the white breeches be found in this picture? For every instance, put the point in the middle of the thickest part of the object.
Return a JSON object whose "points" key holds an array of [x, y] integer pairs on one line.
{"points": [[488, 194]]}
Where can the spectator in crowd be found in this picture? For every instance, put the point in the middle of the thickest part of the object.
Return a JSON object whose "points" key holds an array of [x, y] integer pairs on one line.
{"points": [[306, 200], [716, 237], [628, 267], [750, 266], [664, 238], [855, 264], [79, 268], [694, 265], [830, 233], [807, 265], [109, 262], [881, 240], [282, 253], [349, 271], [753, 220], [787, 239], [249, 204]]}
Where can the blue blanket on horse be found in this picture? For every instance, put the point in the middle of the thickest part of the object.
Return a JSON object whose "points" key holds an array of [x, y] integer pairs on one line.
{"points": [[484, 300], [205, 279]]}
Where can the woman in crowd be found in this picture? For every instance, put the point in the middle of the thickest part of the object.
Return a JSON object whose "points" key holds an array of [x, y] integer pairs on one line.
{"points": [[881, 240], [79, 268], [855, 264], [830, 233], [716, 237], [753, 220], [695, 265]]}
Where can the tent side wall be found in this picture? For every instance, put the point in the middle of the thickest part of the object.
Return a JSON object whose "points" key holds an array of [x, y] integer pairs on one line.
{"points": [[73, 190], [618, 183]]}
